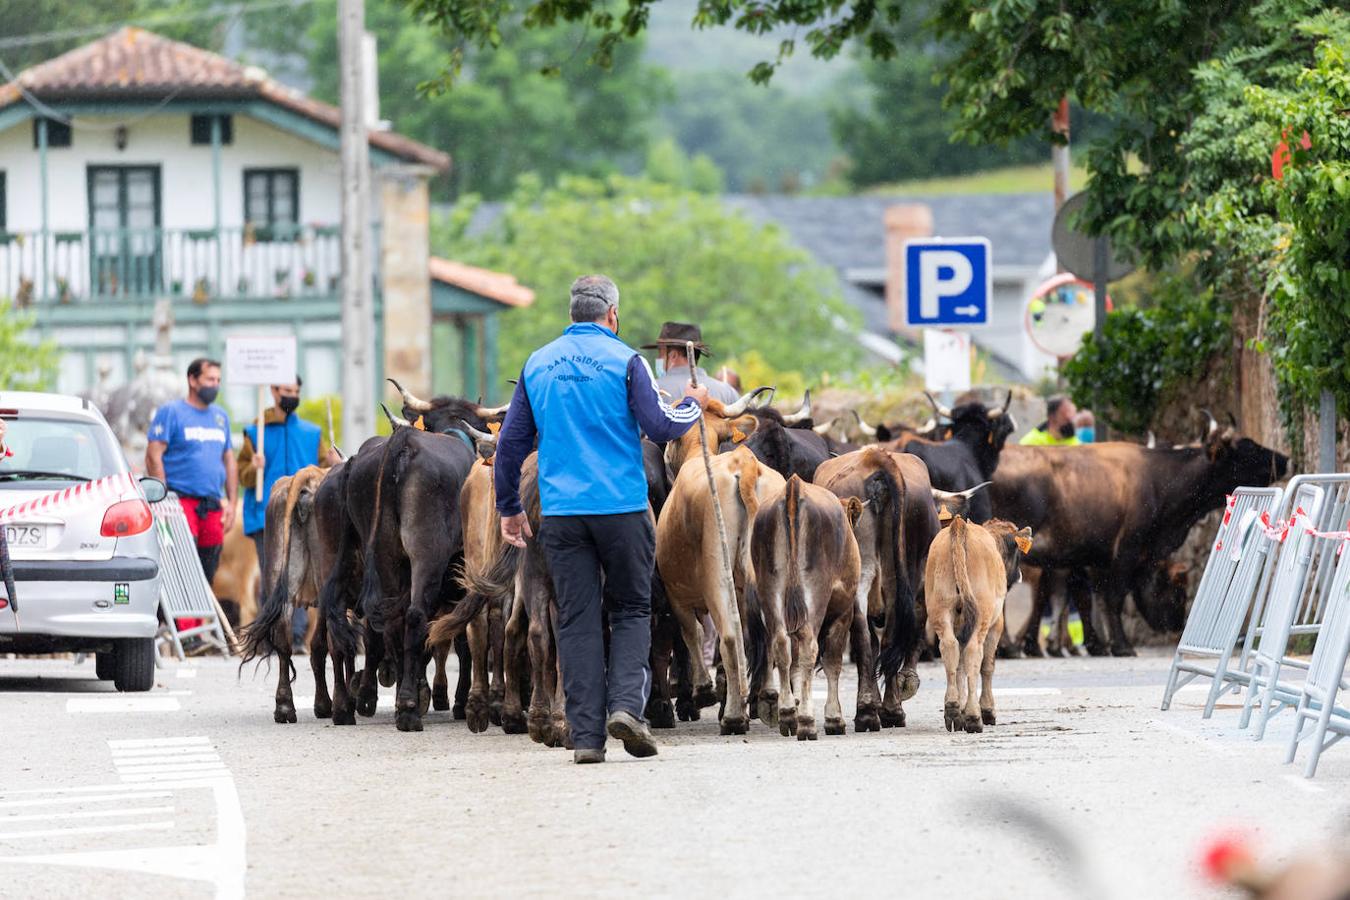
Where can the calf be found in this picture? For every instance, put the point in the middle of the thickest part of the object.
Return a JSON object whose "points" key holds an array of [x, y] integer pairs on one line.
{"points": [[806, 567], [970, 568]]}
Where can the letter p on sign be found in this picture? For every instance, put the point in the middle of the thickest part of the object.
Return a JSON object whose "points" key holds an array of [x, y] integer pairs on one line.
{"points": [[942, 273]]}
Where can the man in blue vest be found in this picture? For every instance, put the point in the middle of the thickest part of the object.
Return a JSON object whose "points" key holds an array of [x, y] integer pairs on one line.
{"points": [[289, 444], [589, 398]]}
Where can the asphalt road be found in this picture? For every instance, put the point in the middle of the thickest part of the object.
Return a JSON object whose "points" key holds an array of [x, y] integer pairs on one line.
{"points": [[192, 791]]}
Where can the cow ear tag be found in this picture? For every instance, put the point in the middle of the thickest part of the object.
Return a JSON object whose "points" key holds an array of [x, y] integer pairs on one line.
{"points": [[944, 514], [494, 427], [1023, 542], [737, 435], [419, 424]]}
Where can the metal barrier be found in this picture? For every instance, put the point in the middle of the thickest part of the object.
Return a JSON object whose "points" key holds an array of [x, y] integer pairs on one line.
{"points": [[1326, 674], [184, 592], [1236, 567], [1298, 606]]}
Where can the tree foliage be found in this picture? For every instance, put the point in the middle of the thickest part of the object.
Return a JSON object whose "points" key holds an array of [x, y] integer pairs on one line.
{"points": [[26, 363], [675, 255]]}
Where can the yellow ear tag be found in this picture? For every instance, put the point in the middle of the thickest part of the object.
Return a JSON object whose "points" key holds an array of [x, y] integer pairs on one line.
{"points": [[944, 514], [494, 427], [1023, 543], [419, 424], [737, 435]]}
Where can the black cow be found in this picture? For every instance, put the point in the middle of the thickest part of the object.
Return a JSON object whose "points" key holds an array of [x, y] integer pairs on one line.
{"points": [[786, 444], [970, 453]]}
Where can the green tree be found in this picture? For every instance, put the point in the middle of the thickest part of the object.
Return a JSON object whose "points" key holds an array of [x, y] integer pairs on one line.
{"points": [[26, 364], [68, 24], [533, 106], [675, 255]]}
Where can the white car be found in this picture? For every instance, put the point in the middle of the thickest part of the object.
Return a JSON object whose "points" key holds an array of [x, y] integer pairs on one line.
{"points": [[87, 578]]}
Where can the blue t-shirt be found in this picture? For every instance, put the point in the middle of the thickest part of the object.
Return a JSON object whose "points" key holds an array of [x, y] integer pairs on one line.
{"points": [[197, 439]]}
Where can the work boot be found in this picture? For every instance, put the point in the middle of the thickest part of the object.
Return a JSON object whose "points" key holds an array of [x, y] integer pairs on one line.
{"points": [[636, 736], [583, 755]]}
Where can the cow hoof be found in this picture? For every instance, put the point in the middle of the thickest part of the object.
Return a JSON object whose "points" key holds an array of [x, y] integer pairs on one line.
{"points": [[323, 709], [806, 730], [864, 722], [661, 714], [735, 725], [284, 714], [1031, 647], [495, 713], [541, 729], [476, 714], [951, 715], [562, 737], [987, 717], [387, 673], [835, 727], [1122, 650], [1096, 649], [440, 699], [705, 696], [344, 717], [972, 724], [787, 722], [513, 723], [909, 684], [408, 720], [767, 708], [892, 718], [365, 706], [423, 698], [459, 712], [686, 710], [354, 683]]}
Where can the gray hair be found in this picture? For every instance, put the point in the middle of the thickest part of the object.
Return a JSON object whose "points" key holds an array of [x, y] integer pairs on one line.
{"points": [[592, 297]]}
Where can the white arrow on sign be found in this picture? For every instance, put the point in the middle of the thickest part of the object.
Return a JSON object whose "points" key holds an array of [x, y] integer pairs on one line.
{"points": [[967, 310]]}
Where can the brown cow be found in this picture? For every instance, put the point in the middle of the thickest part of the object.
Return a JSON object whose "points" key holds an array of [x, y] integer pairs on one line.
{"points": [[893, 535], [689, 559], [970, 568], [806, 567], [722, 422]]}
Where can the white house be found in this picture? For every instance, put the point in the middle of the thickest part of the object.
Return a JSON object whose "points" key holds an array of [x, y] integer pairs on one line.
{"points": [[136, 168]]}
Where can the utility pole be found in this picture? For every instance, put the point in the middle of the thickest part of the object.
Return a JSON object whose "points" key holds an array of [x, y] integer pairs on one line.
{"points": [[358, 309], [1059, 153]]}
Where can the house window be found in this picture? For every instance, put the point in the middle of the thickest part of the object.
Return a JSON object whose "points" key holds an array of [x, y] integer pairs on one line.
{"points": [[271, 201], [58, 133], [201, 129]]}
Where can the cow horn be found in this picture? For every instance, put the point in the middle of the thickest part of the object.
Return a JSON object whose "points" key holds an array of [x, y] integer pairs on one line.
{"points": [[998, 411], [487, 412], [396, 421], [868, 430], [825, 428], [1213, 424], [927, 427], [948, 496], [1152, 440], [768, 398], [802, 414], [743, 403], [409, 399], [938, 407], [482, 437]]}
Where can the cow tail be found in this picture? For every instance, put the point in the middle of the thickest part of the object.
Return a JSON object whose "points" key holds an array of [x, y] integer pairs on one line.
{"points": [[260, 635], [373, 604], [885, 490], [343, 637], [446, 628], [498, 582], [794, 596], [961, 579], [757, 645]]}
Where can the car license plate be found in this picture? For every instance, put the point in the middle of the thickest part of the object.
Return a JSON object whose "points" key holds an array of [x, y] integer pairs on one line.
{"points": [[26, 535]]}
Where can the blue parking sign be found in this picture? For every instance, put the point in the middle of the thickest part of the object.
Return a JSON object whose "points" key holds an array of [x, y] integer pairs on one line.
{"points": [[948, 281]]}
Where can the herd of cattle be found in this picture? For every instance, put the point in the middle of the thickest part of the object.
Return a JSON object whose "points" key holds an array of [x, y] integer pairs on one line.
{"points": [[880, 548]]}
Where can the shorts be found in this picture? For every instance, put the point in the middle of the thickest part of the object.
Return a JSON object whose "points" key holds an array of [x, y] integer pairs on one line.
{"points": [[205, 525]]}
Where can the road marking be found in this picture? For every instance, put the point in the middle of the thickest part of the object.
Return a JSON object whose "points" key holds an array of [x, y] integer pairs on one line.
{"points": [[185, 766], [132, 743], [125, 761], [122, 704], [185, 673], [87, 829], [135, 795], [87, 814], [1027, 692]]}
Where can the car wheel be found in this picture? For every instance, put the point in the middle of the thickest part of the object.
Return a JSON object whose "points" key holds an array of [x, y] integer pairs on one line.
{"points": [[134, 668], [105, 665]]}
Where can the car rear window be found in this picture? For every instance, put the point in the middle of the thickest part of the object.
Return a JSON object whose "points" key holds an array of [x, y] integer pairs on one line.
{"points": [[53, 449]]}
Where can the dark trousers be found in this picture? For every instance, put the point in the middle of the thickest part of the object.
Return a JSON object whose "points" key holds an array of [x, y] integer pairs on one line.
{"points": [[299, 618], [579, 550]]}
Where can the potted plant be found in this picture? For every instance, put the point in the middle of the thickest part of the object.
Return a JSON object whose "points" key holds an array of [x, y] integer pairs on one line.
{"points": [[23, 298], [201, 290], [63, 293], [176, 286], [283, 282], [308, 279]]}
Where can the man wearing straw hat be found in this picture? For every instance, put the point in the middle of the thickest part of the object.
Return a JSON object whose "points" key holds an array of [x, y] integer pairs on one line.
{"points": [[589, 398], [671, 348]]}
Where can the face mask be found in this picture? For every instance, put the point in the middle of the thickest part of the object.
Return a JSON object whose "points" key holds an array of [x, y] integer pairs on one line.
{"points": [[288, 404], [1066, 430], [1086, 435], [207, 394]]}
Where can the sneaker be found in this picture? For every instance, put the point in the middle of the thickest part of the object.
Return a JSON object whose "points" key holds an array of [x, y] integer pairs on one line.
{"points": [[636, 736], [581, 756]]}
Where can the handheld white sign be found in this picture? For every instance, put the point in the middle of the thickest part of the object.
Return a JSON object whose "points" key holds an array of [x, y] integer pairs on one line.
{"points": [[262, 361], [946, 360]]}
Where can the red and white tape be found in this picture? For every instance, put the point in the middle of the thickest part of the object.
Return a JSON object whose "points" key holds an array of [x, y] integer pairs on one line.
{"points": [[101, 493], [1279, 533]]}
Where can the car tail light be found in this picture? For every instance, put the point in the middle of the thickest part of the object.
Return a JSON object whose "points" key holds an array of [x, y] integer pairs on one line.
{"points": [[3, 603], [126, 518]]}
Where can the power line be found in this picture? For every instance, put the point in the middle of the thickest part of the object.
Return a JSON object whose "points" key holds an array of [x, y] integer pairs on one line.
{"points": [[237, 9]]}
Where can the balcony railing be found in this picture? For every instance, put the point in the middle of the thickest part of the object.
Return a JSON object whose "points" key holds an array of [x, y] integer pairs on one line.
{"points": [[199, 265]]}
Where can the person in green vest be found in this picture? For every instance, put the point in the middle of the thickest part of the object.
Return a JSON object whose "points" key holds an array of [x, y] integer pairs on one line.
{"points": [[1058, 429], [289, 444]]}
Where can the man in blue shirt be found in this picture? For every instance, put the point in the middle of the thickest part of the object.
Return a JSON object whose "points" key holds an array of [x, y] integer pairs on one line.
{"points": [[189, 449], [589, 398]]}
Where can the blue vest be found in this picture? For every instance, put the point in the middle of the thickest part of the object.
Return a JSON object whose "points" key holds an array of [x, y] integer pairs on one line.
{"points": [[288, 447], [590, 446]]}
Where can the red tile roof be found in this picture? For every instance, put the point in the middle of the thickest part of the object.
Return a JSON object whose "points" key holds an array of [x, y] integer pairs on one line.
{"points": [[483, 282], [133, 63]]}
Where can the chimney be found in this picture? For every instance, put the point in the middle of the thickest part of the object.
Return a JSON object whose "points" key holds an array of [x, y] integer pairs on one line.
{"points": [[370, 61], [903, 222]]}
